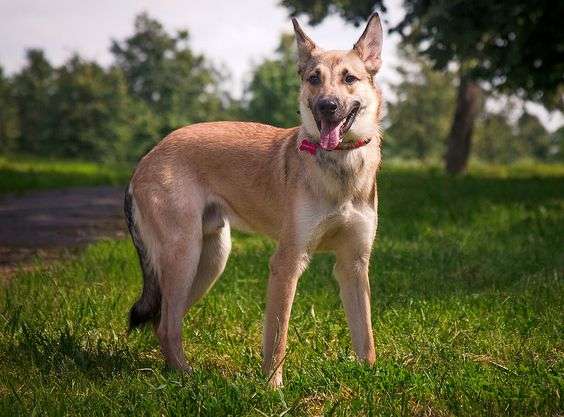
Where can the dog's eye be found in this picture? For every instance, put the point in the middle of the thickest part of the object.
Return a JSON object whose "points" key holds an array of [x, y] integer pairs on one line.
{"points": [[350, 79], [314, 79]]}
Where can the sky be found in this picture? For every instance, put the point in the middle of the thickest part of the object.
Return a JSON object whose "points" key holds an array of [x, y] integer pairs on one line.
{"points": [[237, 34]]}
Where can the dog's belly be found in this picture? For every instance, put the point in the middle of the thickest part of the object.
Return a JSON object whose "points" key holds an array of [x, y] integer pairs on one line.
{"points": [[238, 223], [247, 222], [319, 227]]}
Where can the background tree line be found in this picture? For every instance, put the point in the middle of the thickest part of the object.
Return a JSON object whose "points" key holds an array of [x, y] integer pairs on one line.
{"points": [[156, 83], [80, 109]]}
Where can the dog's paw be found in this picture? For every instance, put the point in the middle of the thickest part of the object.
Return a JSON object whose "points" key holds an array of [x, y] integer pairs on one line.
{"points": [[183, 368], [187, 369], [275, 381]]}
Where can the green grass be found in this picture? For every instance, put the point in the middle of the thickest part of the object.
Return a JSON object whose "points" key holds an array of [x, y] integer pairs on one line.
{"points": [[21, 173], [467, 290]]}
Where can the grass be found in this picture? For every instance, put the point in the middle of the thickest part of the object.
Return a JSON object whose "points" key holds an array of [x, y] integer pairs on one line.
{"points": [[22, 173], [467, 289]]}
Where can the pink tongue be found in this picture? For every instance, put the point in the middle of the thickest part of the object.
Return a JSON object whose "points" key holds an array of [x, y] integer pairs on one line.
{"points": [[329, 136]]}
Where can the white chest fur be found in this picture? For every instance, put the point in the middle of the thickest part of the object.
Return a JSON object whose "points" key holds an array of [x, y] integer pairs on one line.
{"points": [[316, 220]]}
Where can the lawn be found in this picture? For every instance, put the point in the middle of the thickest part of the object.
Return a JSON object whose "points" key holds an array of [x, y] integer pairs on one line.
{"points": [[21, 173], [467, 283]]}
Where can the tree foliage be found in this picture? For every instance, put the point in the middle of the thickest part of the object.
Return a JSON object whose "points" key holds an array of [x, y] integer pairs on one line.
{"points": [[33, 91], [161, 70], [8, 114], [273, 90], [81, 109], [354, 11], [516, 46], [157, 83], [94, 113], [420, 116], [502, 141]]}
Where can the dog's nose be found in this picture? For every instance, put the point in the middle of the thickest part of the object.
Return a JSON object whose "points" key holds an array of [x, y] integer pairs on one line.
{"points": [[327, 106]]}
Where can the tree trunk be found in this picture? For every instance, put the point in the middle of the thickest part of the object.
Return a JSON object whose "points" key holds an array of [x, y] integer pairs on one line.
{"points": [[460, 137]]}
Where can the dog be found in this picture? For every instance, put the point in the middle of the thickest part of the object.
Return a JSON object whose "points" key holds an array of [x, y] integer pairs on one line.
{"points": [[311, 188]]}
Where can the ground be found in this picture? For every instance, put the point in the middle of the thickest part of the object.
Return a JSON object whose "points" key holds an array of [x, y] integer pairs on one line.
{"points": [[51, 223], [467, 287], [48, 212]]}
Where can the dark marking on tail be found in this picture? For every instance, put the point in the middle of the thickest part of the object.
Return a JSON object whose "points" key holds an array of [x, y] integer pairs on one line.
{"points": [[147, 308]]}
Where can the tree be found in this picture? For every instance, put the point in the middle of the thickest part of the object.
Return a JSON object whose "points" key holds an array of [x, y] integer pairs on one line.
{"points": [[162, 71], [9, 128], [496, 139], [95, 117], [84, 110], [273, 90], [513, 46], [556, 152], [79, 110], [420, 116], [534, 135], [354, 11], [33, 90], [499, 139]]}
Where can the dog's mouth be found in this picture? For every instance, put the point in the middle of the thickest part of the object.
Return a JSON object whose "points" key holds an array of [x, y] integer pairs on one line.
{"points": [[331, 132]]}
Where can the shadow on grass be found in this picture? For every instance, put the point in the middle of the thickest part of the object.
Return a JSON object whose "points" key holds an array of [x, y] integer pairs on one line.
{"points": [[434, 199], [63, 350]]}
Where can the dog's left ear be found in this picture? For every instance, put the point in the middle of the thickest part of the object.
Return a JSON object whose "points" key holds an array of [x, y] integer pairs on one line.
{"points": [[369, 46]]}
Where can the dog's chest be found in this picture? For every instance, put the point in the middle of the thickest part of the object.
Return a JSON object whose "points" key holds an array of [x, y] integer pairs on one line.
{"points": [[320, 222], [338, 174]]}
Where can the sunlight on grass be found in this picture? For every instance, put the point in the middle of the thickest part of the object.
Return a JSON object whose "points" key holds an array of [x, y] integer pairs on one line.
{"points": [[19, 173], [467, 287]]}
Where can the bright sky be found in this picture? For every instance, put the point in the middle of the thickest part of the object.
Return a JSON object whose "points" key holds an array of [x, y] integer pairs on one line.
{"points": [[234, 33]]}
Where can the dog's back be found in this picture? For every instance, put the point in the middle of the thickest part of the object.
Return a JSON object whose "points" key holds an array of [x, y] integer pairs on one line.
{"points": [[234, 164]]}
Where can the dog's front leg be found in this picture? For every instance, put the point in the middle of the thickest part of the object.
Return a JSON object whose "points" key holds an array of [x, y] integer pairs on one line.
{"points": [[351, 270], [286, 266]]}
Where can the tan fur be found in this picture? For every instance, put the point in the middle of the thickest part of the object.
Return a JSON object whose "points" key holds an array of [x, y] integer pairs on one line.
{"points": [[205, 178]]}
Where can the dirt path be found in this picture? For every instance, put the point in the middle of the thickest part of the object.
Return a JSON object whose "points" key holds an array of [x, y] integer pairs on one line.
{"points": [[52, 223]]}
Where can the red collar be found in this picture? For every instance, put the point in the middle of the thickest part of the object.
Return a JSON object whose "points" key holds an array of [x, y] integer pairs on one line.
{"points": [[311, 147]]}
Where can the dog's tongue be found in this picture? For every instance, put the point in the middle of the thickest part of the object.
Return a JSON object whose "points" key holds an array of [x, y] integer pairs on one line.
{"points": [[329, 136]]}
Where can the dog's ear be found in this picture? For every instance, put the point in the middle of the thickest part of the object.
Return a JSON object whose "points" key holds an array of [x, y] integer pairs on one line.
{"points": [[369, 46], [305, 46]]}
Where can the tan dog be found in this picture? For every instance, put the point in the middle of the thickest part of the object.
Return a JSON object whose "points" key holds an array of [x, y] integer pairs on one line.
{"points": [[310, 188]]}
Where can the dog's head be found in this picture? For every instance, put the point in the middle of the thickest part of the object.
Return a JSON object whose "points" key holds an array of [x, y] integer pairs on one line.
{"points": [[339, 99]]}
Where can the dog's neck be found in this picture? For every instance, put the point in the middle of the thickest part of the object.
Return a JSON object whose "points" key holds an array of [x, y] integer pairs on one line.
{"points": [[309, 143], [342, 173]]}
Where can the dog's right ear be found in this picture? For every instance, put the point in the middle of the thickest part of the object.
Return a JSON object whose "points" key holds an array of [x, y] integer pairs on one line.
{"points": [[305, 46]]}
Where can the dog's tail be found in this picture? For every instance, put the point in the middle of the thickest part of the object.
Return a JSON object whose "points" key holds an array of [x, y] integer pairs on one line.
{"points": [[147, 308]]}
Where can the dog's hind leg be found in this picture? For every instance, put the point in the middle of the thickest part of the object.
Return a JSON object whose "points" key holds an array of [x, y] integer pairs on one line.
{"points": [[179, 259], [215, 252]]}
